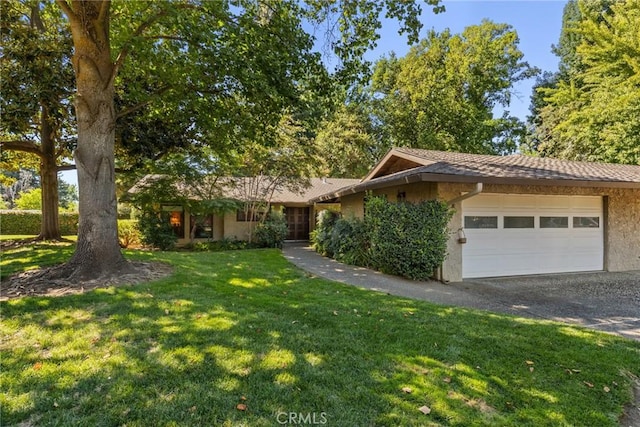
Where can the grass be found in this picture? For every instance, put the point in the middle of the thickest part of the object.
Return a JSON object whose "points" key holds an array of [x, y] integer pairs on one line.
{"points": [[246, 327]]}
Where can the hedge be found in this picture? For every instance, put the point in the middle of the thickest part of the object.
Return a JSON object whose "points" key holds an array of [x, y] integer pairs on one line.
{"points": [[403, 239], [29, 222]]}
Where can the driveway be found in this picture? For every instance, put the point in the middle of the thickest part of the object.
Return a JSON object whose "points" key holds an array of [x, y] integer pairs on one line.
{"points": [[604, 301]]}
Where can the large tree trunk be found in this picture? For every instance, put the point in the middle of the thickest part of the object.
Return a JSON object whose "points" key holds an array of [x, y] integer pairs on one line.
{"points": [[98, 251], [50, 228]]}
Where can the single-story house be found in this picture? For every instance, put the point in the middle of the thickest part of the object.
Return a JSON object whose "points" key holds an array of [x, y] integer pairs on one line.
{"points": [[293, 202], [514, 215]]}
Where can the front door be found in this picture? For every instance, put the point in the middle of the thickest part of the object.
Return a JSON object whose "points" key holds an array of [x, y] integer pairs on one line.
{"points": [[298, 222]]}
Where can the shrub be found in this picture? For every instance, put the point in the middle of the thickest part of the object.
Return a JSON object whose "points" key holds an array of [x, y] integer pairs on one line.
{"points": [[403, 239], [350, 241], [29, 222], [128, 233], [321, 236], [272, 232], [407, 239], [156, 231]]}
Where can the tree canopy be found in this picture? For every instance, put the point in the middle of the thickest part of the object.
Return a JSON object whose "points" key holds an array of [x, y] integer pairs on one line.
{"points": [[592, 110], [442, 94], [224, 72]]}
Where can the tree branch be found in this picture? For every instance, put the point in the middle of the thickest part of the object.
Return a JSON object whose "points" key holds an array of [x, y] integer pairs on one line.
{"points": [[66, 168], [126, 49], [104, 9], [67, 10], [22, 145], [143, 104]]}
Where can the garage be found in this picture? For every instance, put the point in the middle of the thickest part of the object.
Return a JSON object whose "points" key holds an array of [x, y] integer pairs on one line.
{"points": [[516, 234]]}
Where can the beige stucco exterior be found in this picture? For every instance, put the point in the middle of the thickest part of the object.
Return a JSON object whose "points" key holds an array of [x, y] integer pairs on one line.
{"points": [[621, 217]]}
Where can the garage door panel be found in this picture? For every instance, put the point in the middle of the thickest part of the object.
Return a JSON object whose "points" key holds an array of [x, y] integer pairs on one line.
{"points": [[556, 247]]}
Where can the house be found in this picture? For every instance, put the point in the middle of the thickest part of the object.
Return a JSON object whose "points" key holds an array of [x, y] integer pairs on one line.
{"points": [[515, 215], [293, 202]]}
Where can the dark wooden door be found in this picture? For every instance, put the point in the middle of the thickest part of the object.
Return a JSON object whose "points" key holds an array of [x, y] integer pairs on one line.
{"points": [[298, 222]]}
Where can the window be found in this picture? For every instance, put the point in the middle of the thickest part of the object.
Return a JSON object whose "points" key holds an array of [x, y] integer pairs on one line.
{"points": [[480, 222], [176, 219], [554, 222], [204, 226], [518, 221], [586, 222]]}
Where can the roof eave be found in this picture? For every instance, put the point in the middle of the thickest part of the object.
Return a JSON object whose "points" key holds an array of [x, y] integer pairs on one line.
{"points": [[433, 177]]}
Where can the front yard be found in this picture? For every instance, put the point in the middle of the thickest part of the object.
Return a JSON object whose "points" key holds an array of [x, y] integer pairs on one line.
{"points": [[245, 338]]}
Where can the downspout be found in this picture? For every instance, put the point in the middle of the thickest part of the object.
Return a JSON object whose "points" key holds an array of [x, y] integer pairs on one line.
{"points": [[468, 195], [452, 203]]}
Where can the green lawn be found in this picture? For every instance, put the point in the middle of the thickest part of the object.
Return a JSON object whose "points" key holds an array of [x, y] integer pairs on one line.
{"points": [[246, 327]]}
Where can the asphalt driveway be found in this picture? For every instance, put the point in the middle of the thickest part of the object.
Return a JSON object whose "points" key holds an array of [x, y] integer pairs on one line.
{"points": [[605, 301]]}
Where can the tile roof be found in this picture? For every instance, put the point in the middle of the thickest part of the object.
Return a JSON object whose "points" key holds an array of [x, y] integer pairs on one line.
{"points": [[445, 166], [524, 167], [237, 188]]}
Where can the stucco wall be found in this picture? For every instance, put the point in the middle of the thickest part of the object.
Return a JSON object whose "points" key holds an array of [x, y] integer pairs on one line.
{"points": [[622, 248], [353, 204], [621, 221]]}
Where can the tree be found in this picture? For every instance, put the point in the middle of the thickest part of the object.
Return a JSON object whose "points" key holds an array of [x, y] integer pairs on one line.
{"points": [[237, 66], [346, 143], [16, 182], [36, 91], [593, 111], [442, 94]]}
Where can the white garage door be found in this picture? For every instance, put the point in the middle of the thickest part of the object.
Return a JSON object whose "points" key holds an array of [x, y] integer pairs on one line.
{"points": [[509, 234]]}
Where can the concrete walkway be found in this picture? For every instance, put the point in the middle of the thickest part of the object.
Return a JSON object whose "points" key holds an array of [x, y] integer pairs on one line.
{"points": [[604, 301]]}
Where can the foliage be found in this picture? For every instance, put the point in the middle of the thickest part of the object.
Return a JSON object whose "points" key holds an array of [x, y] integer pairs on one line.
{"points": [[442, 94], [351, 242], [30, 200], [226, 244], [156, 231], [128, 233], [28, 222], [272, 231], [403, 239], [593, 112], [321, 236], [247, 327], [16, 181], [38, 80], [346, 143], [407, 239]]}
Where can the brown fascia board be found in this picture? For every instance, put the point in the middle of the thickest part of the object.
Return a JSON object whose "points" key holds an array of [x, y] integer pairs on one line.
{"points": [[432, 177], [393, 152]]}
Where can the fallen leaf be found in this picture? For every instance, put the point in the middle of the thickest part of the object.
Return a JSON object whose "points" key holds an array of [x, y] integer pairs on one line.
{"points": [[606, 389], [243, 398], [588, 384], [425, 410], [37, 366], [447, 380], [166, 311], [531, 369], [193, 409], [407, 389], [335, 313], [241, 407], [528, 362], [55, 404]]}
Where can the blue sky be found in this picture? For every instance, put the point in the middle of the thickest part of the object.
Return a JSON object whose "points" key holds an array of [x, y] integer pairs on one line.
{"points": [[538, 25]]}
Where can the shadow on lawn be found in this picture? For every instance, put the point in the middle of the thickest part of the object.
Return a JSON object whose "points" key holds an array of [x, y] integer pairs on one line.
{"points": [[189, 349]]}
